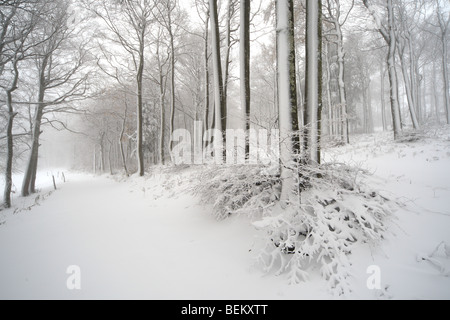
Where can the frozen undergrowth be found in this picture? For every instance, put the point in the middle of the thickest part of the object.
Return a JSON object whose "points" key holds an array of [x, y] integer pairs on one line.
{"points": [[249, 190], [319, 228]]}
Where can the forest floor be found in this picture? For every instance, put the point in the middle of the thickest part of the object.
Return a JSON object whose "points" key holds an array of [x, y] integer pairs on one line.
{"points": [[150, 238]]}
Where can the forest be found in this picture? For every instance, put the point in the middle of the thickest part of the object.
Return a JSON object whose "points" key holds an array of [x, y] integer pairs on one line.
{"points": [[273, 110]]}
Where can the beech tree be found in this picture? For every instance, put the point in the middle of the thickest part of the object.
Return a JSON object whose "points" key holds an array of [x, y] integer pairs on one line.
{"points": [[219, 98], [245, 65], [313, 95], [387, 31], [17, 21], [60, 76], [129, 23], [287, 96], [443, 19], [337, 17]]}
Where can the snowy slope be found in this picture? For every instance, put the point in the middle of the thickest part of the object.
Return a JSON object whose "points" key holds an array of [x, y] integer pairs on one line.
{"points": [[149, 238], [418, 175]]}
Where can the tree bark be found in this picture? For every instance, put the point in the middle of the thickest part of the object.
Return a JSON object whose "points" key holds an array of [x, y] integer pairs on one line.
{"points": [[444, 27], [328, 90], [313, 108], [206, 67], [383, 102], [220, 107], [245, 67], [29, 182], [122, 133], [9, 134], [446, 77], [435, 94], [162, 91], [226, 62], [287, 96], [408, 85], [172, 75], [140, 120]]}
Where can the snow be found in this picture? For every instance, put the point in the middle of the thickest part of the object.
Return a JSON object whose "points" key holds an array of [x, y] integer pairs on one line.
{"points": [[417, 174], [135, 239], [150, 238]]}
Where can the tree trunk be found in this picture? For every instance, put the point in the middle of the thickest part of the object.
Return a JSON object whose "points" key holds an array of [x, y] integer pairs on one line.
{"points": [[110, 158], [341, 83], [172, 78], [388, 33], [162, 129], [408, 87], [435, 94], [365, 109], [206, 67], [9, 136], [328, 90], [395, 107], [162, 92], [288, 117], [245, 67], [313, 107], [226, 62], [369, 109], [445, 76], [140, 120], [95, 159], [383, 102], [220, 107], [10, 153], [413, 67], [122, 133], [102, 153], [29, 181]]}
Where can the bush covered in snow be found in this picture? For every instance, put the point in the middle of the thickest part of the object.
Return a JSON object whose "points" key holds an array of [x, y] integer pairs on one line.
{"points": [[239, 189], [337, 210], [320, 226]]}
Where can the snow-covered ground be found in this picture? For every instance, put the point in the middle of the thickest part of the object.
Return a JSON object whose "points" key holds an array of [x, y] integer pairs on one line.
{"points": [[149, 238]]}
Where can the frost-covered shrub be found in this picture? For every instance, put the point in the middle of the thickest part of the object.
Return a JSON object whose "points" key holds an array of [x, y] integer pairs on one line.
{"points": [[337, 210], [239, 189]]}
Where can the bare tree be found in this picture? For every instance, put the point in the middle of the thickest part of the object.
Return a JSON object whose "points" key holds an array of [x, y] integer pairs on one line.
{"points": [[18, 20], [387, 31], [404, 42], [129, 22], [337, 17], [169, 15], [203, 11], [161, 80], [60, 76]]}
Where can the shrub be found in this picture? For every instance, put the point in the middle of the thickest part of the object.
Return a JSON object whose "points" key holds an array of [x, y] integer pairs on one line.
{"points": [[318, 229]]}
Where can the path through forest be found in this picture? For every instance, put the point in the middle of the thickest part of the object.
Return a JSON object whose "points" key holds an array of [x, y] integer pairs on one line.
{"points": [[147, 238]]}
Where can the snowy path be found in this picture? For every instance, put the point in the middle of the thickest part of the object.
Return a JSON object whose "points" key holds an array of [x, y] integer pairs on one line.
{"points": [[130, 245], [145, 239]]}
